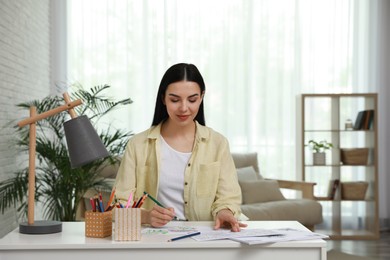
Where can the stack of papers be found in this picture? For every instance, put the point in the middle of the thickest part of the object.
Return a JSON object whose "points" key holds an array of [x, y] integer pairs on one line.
{"points": [[249, 236], [261, 236]]}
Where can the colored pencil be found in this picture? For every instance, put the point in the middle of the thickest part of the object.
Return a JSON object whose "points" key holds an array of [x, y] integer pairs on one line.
{"points": [[154, 200], [129, 200], [141, 201], [111, 198], [92, 204], [158, 203]]}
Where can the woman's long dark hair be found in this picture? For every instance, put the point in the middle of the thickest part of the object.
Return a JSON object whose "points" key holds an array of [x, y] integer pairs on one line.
{"points": [[178, 72]]}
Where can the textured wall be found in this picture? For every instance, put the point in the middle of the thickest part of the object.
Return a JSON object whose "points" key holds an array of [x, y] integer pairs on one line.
{"points": [[24, 76]]}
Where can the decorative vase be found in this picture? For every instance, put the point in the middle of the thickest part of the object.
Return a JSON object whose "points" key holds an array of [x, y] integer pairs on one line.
{"points": [[319, 158]]}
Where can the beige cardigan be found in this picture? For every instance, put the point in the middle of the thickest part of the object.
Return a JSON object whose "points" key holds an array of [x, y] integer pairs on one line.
{"points": [[210, 181]]}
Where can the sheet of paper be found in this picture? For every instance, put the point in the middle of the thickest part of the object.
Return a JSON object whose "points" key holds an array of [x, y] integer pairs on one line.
{"points": [[227, 234], [168, 230], [282, 236]]}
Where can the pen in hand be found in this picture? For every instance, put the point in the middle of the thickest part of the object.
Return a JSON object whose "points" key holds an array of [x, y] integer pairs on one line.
{"points": [[154, 200], [157, 202]]}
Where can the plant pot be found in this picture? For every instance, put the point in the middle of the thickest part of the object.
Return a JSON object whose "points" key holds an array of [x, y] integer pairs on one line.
{"points": [[319, 158]]}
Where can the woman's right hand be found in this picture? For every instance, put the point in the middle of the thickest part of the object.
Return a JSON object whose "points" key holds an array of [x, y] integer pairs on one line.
{"points": [[158, 216]]}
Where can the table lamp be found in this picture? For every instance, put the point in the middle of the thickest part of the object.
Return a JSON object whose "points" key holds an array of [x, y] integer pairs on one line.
{"points": [[84, 146]]}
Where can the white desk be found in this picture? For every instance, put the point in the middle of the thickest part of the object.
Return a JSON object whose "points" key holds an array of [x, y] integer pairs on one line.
{"points": [[71, 244]]}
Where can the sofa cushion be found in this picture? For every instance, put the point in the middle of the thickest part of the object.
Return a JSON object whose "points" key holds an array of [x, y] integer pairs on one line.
{"points": [[260, 191], [248, 174], [246, 159], [307, 212]]}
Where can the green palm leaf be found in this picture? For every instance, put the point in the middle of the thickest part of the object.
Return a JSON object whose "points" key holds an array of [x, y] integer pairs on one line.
{"points": [[59, 187]]}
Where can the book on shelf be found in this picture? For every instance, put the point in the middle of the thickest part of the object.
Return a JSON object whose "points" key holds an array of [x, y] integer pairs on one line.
{"points": [[358, 121], [369, 120], [364, 120], [333, 185]]}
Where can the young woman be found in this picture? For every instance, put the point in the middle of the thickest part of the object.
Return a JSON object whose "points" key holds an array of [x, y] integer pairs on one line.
{"points": [[179, 161]]}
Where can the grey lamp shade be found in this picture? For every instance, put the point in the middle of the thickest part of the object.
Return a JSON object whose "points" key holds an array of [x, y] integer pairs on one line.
{"points": [[84, 144]]}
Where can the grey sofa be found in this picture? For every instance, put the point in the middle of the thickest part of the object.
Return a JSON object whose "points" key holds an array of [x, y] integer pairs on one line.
{"points": [[263, 200]]}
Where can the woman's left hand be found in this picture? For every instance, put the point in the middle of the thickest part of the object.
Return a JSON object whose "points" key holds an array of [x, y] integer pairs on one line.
{"points": [[225, 218]]}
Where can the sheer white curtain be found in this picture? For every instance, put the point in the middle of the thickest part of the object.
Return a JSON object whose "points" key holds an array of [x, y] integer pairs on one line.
{"points": [[256, 57]]}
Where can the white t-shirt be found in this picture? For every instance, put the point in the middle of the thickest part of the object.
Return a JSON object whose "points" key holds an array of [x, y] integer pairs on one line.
{"points": [[171, 181]]}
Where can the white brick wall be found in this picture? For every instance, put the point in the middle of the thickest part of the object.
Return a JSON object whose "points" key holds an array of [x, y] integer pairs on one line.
{"points": [[24, 76]]}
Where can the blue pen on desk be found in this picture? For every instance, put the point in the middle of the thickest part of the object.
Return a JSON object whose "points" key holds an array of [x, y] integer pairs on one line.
{"points": [[185, 236]]}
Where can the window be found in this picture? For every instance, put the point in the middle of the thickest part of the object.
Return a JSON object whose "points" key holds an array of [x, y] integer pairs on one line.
{"points": [[256, 57]]}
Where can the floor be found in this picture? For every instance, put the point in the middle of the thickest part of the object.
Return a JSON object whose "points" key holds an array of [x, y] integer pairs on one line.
{"points": [[372, 248]]}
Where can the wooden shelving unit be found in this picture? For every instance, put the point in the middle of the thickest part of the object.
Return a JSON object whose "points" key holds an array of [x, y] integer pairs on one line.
{"points": [[323, 118]]}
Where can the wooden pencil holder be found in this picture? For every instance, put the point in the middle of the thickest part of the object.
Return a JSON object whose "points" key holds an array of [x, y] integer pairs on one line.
{"points": [[127, 226], [98, 224]]}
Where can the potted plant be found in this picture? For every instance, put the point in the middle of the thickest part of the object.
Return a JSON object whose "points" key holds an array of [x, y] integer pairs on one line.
{"points": [[319, 148], [59, 188]]}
